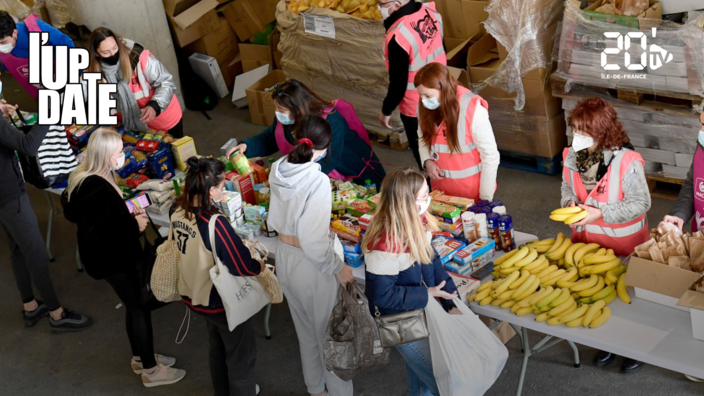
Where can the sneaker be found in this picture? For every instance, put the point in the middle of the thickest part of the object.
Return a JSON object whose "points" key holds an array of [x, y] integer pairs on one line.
{"points": [[32, 317], [257, 389], [165, 361], [693, 379], [162, 376], [70, 322]]}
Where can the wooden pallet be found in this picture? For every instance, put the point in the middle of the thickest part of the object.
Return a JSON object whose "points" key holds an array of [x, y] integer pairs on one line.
{"points": [[531, 163], [395, 140], [676, 103], [664, 187]]}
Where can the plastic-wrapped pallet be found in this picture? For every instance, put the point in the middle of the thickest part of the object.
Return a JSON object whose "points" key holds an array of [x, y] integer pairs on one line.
{"points": [[346, 64], [656, 56]]}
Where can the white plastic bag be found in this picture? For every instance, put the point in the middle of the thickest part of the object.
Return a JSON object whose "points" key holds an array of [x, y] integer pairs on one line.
{"points": [[467, 357]]}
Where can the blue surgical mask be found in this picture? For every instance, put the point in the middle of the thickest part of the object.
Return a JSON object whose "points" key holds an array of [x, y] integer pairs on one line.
{"points": [[701, 138], [325, 153], [431, 103], [284, 119]]}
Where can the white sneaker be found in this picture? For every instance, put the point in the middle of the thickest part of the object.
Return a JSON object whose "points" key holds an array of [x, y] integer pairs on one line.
{"points": [[257, 388], [162, 376], [160, 359], [693, 379]]}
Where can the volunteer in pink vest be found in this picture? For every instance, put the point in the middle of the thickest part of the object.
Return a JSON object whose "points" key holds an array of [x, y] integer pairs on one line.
{"points": [[350, 157], [457, 144], [146, 92], [413, 40], [14, 49], [690, 202]]}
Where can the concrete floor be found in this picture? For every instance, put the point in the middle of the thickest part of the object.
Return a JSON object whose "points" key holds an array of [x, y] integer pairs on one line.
{"points": [[96, 362]]}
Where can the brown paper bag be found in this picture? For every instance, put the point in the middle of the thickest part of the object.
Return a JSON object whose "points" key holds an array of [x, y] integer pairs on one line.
{"points": [[657, 254], [696, 252], [679, 262], [642, 249]]}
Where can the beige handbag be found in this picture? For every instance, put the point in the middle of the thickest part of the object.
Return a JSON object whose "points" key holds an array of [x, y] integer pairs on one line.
{"points": [[164, 279], [403, 327], [267, 277]]}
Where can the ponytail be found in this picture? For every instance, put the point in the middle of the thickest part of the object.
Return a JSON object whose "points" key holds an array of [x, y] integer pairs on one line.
{"points": [[313, 133], [202, 174]]}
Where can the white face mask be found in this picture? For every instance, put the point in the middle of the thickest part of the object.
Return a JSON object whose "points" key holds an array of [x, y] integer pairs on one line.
{"points": [[6, 48], [581, 142], [700, 137], [284, 119], [120, 161], [431, 103], [385, 11], [217, 201], [424, 206]]}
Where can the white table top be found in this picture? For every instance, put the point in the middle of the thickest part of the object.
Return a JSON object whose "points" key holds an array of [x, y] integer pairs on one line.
{"points": [[644, 331]]}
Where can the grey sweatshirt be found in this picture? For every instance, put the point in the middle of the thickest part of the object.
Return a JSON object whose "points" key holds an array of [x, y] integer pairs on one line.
{"points": [[301, 203], [636, 195], [684, 206]]}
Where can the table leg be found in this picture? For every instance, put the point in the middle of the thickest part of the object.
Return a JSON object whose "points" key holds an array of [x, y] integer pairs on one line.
{"points": [[49, 225], [576, 353], [267, 314], [526, 354]]}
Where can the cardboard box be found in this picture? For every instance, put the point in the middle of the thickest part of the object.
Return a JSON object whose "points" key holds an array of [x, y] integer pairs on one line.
{"points": [[183, 149], [463, 18], [221, 44], [536, 136], [466, 286], [244, 81], [694, 300], [232, 70], [637, 22], [261, 104], [249, 17], [207, 68], [503, 331], [255, 56], [191, 19], [659, 283]]}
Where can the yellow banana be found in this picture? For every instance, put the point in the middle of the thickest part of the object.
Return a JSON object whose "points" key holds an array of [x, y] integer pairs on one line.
{"points": [[480, 295], [498, 302], [505, 257], [564, 296], [542, 248], [609, 252], [575, 295], [508, 304], [559, 217], [515, 308], [562, 308], [523, 310], [591, 282], [534, 298], [612, 276], [567, 210], [603, 317], [621, 289], [575, 323], [532, 255], [537, 311], [544, 242], [565, 284], [592, 311], [576, 217], [528, 291], [594, 259], [538, 262], [539, 269], [486, 301], [610, 297], [558, 242], [497, 283], [551, 278], [571, 274], [542, 317], [569, 254], [496, 274], [524, 286], [577, 313], [588, 248], [605, 292], [555, 319], [601, 268], [507, 271], [542, 274], [505, 295], [485, 285], [600, 252], [560, 252], [522, 253], [518, 282], [548, 299], [592, 291], [504, 285]]}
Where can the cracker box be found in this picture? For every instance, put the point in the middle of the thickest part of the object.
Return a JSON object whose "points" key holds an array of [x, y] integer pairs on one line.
{"points": [[351, 247], [232, 204], [160, 164], [346, 235], [348, 223], [459, 202], [354, 260], [455, 229], [446, 248], [359, 208], [183, 149], [254, 213], [472, 256], [78, 135], [374, 200], [448, 213], [466, 286]]}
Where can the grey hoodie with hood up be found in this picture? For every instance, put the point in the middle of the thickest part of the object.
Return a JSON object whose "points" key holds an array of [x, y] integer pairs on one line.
{"points": [[301, 203]]}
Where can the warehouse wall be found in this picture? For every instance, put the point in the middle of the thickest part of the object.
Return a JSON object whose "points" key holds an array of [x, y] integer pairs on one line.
{"points": [[143, 21]]}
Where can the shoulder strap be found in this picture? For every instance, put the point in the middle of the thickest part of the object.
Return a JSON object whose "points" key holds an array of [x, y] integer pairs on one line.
{"points": [[211, 232]]}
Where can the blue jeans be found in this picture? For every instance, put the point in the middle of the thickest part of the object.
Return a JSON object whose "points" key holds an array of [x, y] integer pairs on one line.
{"points": [[419, 368]]}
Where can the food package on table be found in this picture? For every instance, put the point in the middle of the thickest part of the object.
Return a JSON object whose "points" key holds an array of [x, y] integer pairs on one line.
{"points": [[351, 247], [134, 162], [134, 180], [158, 185], [459, 202], [359, 208], [669, 246], [365, 220], [348, 223], [354, 260], [446, 248], [346, 235], [161, 201], [472, 256], [374, 200], [130, 137], [449, 213], [253, 213], [455, 228], [78, 135], [161, 165], [149, 143]]}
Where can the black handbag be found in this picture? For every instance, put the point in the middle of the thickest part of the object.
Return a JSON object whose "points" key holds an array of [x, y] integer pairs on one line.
{"points": [[54, 160]]}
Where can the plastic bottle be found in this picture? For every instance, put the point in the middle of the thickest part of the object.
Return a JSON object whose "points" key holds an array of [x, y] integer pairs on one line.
{"points": [[240, 163], [468, 225], [481, 225]]}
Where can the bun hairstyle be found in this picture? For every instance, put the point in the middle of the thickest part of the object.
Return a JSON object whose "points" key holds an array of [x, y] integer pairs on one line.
{"points": [[202, 174], [313, 133]]}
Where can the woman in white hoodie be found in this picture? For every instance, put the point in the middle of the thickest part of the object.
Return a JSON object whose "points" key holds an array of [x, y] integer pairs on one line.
{"points": [[307, 265]]}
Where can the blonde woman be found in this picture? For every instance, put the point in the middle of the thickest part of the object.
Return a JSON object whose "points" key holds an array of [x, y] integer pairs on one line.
{"points": [[108, 243], [403, 269]]}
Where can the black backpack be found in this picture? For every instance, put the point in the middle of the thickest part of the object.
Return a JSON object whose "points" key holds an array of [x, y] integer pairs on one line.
{"points": [[197, 94]]}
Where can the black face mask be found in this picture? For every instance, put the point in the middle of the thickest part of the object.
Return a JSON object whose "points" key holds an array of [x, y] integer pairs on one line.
{"points": [[112, 60]]}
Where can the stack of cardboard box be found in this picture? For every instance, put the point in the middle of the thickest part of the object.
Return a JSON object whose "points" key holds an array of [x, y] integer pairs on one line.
{"points": [[538, 129]]}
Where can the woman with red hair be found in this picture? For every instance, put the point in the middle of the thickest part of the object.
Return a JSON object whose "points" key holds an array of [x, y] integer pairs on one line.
{"points": [[604, 176], [456, 142]]}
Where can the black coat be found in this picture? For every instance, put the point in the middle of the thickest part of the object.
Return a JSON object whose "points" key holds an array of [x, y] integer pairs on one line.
{"points": [[108, 235], [11, 140]]}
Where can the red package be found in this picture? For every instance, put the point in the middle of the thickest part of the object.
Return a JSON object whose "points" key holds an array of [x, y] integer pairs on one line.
{"points": [[442, 233], [135, 180], [148, 145], [346, 235]]}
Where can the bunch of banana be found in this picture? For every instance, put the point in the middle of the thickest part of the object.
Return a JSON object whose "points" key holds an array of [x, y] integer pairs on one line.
{"points": [[559, 248], [541, 246], [366, 9], [568, 215], [524, 258], [506, 292]]}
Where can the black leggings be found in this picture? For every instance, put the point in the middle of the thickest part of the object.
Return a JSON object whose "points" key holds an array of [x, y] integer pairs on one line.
{"points": [[410, 124], [139, 316], [177, 130]]}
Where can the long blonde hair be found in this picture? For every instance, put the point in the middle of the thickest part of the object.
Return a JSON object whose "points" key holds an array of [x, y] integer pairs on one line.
{"points": [[396, 216], [101, 145]]}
